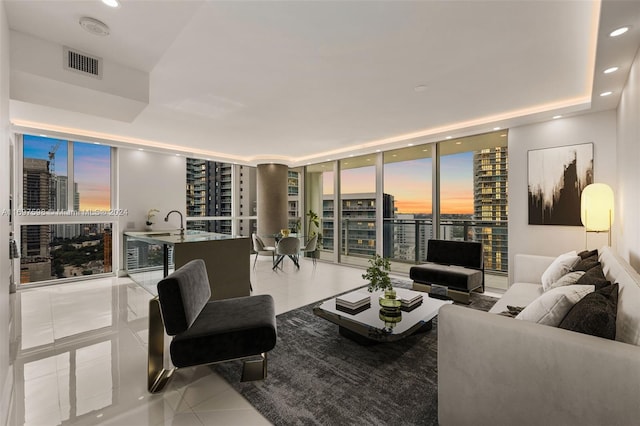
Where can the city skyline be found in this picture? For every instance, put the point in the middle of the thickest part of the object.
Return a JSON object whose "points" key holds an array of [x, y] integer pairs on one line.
{"points": [[92, 167], [409, 182]]}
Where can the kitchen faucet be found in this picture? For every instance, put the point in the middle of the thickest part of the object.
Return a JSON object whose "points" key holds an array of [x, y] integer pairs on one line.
{"points": [[166, 219]]}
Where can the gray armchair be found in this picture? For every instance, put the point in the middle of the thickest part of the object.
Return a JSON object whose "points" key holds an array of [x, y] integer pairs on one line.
{"points": [[212, 331]]}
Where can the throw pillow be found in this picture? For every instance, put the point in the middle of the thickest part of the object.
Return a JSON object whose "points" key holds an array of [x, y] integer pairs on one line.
{"points": [[588, 253], [595, 277], [595, 314], [586, 264], [559, 267], [551, 307], [567, 279], [512, 311]]}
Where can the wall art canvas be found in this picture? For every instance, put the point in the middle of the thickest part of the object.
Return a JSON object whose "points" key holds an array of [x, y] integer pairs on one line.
{"points": [[557, 177]]}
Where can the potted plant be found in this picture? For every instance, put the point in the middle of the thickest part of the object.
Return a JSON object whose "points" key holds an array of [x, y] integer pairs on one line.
{"points": [[378, 276], [150, 215]]}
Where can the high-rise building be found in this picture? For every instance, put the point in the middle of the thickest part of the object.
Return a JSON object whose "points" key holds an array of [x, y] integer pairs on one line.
{"points": [[210, 193], [61, 197], [358, 224], [293, 200], [35, 263], [490, 210]]}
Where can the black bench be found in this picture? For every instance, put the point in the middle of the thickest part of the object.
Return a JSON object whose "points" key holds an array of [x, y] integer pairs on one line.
{"points": [[453, 269]]}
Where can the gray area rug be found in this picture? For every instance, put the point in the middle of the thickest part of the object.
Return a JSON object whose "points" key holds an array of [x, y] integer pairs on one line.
{"points": [[317, 377]]}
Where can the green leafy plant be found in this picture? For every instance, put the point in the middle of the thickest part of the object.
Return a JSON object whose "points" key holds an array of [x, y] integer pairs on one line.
{"points": [[378, 273]]}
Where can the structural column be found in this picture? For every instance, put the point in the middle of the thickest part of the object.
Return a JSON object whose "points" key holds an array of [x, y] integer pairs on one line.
{"points": [[272, 198]]}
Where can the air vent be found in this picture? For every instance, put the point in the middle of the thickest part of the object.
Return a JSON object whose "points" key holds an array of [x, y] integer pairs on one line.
{"points": [[82, 63]]}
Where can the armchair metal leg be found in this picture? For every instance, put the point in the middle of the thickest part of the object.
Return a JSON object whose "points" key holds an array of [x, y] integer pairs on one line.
{"points": [[157, 375], [254, 369]]}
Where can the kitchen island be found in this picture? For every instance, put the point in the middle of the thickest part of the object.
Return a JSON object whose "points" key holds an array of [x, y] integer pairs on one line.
{"points": [[150, 256]]}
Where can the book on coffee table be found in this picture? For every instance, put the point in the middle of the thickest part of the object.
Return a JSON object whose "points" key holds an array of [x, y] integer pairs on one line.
{"points": [[408, 298], [353, 300]]}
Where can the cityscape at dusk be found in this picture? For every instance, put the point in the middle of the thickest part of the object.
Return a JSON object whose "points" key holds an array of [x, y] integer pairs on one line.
{"points": [[409, 182], [92, 167]]}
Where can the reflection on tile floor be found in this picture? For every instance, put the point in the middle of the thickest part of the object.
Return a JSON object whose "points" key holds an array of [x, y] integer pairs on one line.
{"points": [[80, 352]]}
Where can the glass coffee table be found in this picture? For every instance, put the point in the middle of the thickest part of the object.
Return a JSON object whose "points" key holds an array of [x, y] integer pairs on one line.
{"points": [[372, 325]]}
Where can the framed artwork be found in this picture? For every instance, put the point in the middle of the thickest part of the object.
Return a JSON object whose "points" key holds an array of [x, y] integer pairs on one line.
{"points": [[557, 177]]}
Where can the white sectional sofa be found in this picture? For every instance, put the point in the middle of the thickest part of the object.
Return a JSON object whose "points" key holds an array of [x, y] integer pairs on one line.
{"points": [[495, 370]]}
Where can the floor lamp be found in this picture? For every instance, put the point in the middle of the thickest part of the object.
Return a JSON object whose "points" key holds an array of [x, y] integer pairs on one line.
{"points": [[596, 209]]}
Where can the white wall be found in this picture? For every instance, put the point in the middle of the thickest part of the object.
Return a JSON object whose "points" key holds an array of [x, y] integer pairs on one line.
{"points": [[6, 379], [599, 128], [628, 229], [149, 180]]}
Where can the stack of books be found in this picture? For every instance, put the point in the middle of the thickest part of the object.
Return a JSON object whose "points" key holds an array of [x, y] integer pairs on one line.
{"points": [[409, 300], [353, 303]]}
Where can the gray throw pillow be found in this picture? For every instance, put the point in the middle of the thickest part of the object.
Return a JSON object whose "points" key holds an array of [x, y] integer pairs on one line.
{"points": [[595, 314]]}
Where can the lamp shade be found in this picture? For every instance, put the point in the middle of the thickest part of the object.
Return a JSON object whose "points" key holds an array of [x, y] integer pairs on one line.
{"points": [[596, 207]]}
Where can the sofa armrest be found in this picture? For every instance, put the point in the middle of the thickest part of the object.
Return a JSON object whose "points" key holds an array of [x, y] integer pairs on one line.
{"points": [[501, 371], [528, 268]]}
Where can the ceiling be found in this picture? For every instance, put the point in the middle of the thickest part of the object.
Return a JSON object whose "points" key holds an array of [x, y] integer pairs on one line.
{"points": [[305, 81]]}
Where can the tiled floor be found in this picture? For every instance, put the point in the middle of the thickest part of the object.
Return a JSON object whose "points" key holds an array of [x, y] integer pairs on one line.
{"points": [[80, 352]]}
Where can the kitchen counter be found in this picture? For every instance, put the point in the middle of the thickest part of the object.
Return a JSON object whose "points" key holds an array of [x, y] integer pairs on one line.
{"points": [[152, 255]]}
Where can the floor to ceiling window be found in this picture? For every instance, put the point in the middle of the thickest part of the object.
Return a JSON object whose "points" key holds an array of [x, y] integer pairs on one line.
{"points": [[408, 183], [221, 197], [358, 209], [473, 194], [319, 207], [64, 216]]}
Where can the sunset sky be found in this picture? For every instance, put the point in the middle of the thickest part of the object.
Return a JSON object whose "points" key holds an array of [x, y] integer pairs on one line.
{"points": [[92, 168], [410, 183]]}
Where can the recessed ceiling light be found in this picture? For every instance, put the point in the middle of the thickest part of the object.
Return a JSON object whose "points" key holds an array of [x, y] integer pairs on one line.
{"points": [[409, 144], [368, 159], [610, 70], [43, 136], [605, 93], [350, 155], [377, 150], [496, 128], [619, 31], [555, 117], [96, 143], [177, 155], [140, 149], [425, 150], [458, 143], [394, 155], [504, 135], [449, 137], [346, 162], [111, 3]]}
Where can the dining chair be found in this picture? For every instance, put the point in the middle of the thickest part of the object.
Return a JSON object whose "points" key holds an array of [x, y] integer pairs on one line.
{"points": [[287, 246], [311, 247], [261, 249]]}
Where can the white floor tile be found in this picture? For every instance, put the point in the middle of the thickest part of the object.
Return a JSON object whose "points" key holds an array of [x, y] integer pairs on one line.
{"points": [[82, 352]]}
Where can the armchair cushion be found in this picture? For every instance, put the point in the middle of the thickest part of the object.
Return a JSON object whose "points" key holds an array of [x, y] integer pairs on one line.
{"points": [[182, 296], [230, 328]]}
